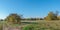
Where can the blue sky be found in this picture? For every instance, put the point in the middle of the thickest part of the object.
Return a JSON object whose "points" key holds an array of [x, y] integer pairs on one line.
{"points": [[28, 8]]}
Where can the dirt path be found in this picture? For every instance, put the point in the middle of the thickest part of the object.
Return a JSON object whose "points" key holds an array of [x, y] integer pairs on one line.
{"points": [[11, 28]]}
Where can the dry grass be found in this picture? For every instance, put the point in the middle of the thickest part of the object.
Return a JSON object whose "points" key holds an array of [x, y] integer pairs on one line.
{"points": [[41, 25], [44, 25]]}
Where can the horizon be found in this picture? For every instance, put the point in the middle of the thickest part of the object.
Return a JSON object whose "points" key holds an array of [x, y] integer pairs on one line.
{"points": [[28, 8]]}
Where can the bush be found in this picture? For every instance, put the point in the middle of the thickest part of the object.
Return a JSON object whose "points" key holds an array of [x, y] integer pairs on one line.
{"points": [[28, 27], [13, 18], [32, 27]]}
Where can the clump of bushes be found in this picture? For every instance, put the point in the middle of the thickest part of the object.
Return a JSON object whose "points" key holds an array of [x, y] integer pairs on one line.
{"points": [[34, 27], [13, 18], [29, 27]]}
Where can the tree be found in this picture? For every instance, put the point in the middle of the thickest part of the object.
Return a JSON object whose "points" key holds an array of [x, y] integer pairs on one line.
{"points": [[51, 16], [1, 19], [41, 19], [14, 18]]}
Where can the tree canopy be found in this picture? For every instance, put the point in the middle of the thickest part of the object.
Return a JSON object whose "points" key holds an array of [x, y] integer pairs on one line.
{"points": [[14, 18], [51, 16]]}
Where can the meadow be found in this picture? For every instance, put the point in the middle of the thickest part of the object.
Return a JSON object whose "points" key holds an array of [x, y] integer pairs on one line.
{"points": [[37, 25], [42, 25], [33, 25]]}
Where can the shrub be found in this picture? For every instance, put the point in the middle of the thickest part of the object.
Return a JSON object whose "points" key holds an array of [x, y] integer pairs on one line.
{"points": [[28, 27], [14, 18]]}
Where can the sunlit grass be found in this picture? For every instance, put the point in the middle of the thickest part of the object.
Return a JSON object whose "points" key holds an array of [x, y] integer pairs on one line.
{"points": [[44, 25], [36, 25]]}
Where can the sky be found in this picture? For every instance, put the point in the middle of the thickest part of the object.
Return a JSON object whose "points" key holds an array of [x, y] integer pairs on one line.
{"points": [[28, 8]]}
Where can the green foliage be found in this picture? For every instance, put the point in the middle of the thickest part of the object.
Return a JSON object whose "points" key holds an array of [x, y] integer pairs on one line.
{"points": [[34, 27], [1, 19], [29, 27]]}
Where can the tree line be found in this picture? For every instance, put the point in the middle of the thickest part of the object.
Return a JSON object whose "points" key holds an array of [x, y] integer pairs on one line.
{"points": [[15, 18], [51, 16]]}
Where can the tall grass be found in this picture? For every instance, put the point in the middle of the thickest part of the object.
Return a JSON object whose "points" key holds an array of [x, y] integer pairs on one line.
{"points": [[43, 25]]}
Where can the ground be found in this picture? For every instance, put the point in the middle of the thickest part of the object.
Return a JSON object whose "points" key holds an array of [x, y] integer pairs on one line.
{"points": [[39, 24]]}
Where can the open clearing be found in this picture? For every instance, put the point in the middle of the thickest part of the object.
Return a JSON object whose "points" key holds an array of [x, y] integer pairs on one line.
{"points": [[40, 24]]}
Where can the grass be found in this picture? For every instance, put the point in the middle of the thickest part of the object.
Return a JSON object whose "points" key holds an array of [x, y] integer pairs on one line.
{"points": [[43, 25], [35, 25], [1, 25]]}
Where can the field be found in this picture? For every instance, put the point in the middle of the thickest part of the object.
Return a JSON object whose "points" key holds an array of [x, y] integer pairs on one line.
{"points": [[42, 25], [36, 25]]}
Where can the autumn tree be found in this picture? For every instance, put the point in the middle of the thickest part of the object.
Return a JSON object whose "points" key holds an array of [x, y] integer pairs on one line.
{"points": [[14, 18], [51, 16]]}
